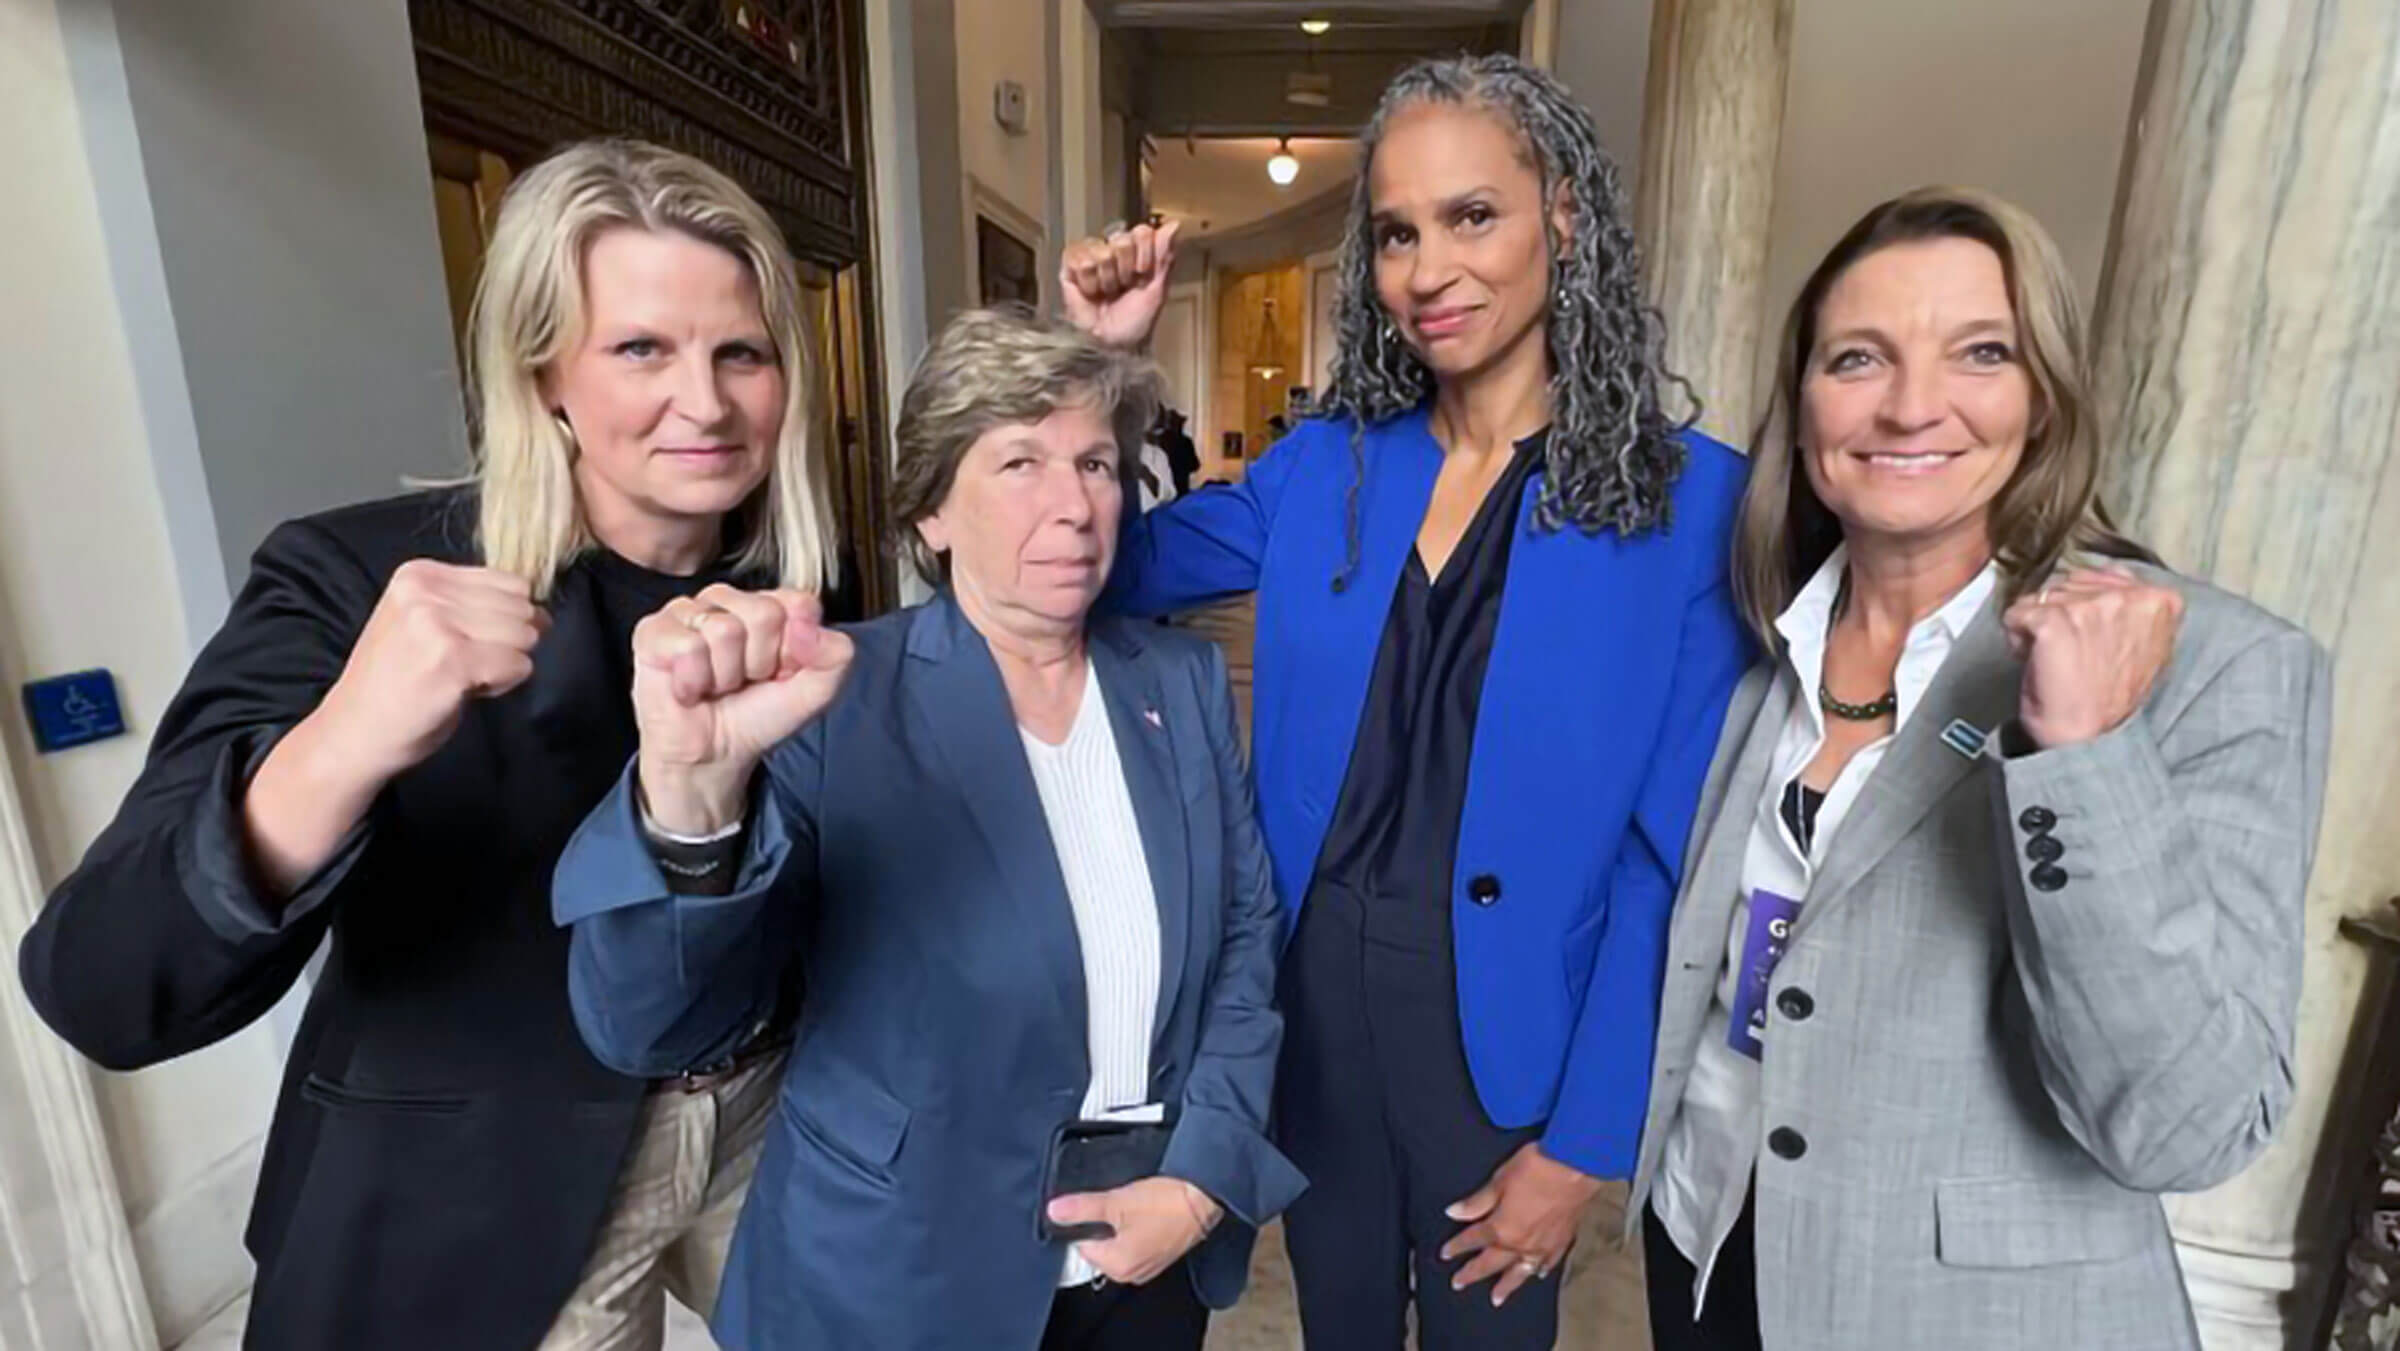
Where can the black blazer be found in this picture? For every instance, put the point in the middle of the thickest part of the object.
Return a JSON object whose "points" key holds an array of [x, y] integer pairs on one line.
{"points": [[443, 1147]]}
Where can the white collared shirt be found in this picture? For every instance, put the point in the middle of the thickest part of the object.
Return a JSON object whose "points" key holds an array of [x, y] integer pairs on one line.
{"points": [[1099, 841], [1712, 1143]]}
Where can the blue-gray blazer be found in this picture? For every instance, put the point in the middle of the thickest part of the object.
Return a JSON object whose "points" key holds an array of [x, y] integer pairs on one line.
{"points": [[900, 850]]}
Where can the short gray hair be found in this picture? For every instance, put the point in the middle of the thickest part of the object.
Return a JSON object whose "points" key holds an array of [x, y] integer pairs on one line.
{"points": [[998, 368]]}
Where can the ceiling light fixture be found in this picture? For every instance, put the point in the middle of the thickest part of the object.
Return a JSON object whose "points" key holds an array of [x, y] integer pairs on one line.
{"points": [[1284, 167], [1316, 28]]}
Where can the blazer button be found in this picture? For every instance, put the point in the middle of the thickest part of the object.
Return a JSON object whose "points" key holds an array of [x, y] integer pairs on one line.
{"points": [[2049, 877], [1483, 889], [1786, 1142], [1795, 1004], [2038, 819], [2045, 849]]}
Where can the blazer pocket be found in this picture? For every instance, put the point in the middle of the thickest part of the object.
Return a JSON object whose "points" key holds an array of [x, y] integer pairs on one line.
{"points": [[852, 1119], [2028, 1222], [325, 1092]]}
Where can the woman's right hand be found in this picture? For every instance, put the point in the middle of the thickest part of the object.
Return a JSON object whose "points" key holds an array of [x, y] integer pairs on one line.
{"points": [[719, 679], [1114, 287], [440, 635]]}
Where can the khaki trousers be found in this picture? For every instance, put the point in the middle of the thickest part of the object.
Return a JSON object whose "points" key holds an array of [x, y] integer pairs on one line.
{"points": [[670, 1218]]}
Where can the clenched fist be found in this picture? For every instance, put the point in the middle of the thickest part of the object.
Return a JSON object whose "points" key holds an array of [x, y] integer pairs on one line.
{"points": [[719, 679], [1113, 288], [2093, 642], [440, 635]]}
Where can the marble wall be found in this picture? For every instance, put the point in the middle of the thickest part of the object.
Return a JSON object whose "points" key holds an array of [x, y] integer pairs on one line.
{"points": [[1706, 203], [2249, 352]]}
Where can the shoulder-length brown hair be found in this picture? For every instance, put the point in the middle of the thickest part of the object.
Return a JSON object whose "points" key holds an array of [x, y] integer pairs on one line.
{"points": [[2050, 508]]}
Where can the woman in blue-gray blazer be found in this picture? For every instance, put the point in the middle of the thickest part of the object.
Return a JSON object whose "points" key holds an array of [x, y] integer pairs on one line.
{"points": [[1018, 860], [1495, 644]]}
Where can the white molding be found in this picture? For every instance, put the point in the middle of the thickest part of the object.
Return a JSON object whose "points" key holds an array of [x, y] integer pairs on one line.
{"points": [[79, 1286], [1321, 275], [984, 200], [2244, 1301], [129, 232]]}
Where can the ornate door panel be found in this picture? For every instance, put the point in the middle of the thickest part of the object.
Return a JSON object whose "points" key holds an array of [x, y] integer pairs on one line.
{"points": [[770, 91]]}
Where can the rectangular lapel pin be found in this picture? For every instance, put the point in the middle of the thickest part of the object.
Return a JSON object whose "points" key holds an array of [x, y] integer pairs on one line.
{"points": [[1965, 738], [1150, 716]]}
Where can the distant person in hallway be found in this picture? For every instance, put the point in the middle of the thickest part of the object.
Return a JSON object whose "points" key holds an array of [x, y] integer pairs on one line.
{"points": [[409, 708], [1183, 456], [1495, 640], [1018, 858], [1992, 928]]}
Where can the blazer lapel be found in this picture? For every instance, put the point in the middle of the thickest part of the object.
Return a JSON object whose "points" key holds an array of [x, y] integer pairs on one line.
{"points": [[574, 711], [955, 687], [1978, 686], [1713, 872], [1146, 746]]}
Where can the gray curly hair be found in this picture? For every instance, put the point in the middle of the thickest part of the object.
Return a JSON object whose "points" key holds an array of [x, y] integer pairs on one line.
{"points": [[1613, 454]]}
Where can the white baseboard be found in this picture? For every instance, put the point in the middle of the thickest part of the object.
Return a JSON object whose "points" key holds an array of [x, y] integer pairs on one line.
{"points": [[2241, 1301]]}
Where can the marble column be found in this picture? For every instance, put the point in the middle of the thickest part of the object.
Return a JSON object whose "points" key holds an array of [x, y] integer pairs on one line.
{"points": [[1712, 122], [2249, 366]]}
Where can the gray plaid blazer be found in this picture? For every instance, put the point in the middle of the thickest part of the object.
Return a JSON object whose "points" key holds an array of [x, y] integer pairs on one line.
{"points": [[2001, 1060]]}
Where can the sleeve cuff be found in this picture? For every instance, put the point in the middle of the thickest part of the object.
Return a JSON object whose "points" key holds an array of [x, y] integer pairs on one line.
{"points": [[214, 850], [610, 864], [1601, 1154], [2103, 800], [1234, 1164]]}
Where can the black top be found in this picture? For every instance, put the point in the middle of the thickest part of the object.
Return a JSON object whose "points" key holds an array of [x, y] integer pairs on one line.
{"points": [[1393, 840], [626, 593], [1800, 806]]}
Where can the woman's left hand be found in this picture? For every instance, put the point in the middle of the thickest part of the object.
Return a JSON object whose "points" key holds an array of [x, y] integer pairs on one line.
{"points": [[1157, 1220], [2093, 642], [1521, 1223]]}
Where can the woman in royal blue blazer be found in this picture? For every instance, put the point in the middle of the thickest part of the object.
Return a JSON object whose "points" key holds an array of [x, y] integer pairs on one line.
{"points": [[1494, 647]]}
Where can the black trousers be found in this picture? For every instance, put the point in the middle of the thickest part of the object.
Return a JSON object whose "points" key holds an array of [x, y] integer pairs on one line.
{"points": [[1375, 1105], [1729, 1322], [1165, 1315]]}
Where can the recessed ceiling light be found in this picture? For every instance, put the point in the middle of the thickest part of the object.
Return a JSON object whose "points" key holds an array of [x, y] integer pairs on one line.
{"points": [[1316, 28]]}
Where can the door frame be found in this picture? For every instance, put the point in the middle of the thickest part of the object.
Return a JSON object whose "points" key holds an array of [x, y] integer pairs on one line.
{"points": [[59, 1203]]}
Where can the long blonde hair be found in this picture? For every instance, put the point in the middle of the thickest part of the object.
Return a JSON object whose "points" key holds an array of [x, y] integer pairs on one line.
{"points": [[528, 310], [2050, 507]]}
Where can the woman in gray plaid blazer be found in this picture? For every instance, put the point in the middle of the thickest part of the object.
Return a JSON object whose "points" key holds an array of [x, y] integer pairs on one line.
{"points": [[1991, 922]]}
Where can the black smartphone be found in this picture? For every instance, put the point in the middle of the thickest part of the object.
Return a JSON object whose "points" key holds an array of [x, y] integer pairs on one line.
{"points": [[1097, 1156]]}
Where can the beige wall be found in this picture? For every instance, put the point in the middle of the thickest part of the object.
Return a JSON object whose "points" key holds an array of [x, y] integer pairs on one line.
{"points": [[1601, 51], [2028, 99], [1003, 40], [87, 579]]}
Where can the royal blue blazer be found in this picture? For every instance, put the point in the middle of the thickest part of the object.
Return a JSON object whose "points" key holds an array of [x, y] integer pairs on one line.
{"points": [[1609, 677]]}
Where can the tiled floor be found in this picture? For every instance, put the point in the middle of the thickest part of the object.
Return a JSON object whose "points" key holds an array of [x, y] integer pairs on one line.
{"points": [[1603, 1309], [685, 1331]]}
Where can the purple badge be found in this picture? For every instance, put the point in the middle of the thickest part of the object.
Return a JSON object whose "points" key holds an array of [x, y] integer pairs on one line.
{"points": [[1771, 919]]}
